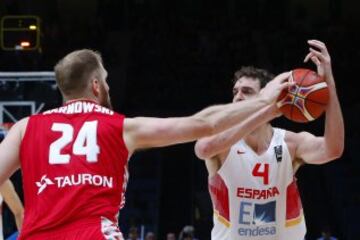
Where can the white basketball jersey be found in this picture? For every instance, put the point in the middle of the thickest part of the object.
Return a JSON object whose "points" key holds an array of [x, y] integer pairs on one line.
{"points": [[1, 226], [255, 197]]}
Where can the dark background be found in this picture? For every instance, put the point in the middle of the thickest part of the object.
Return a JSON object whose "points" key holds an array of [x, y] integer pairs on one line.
{"points": [[173, 58]]}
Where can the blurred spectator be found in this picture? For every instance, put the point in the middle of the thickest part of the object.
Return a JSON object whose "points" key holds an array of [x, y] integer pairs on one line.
{"points": [[150, 236], [13, 236], [133, 234], [170, 236], [188, 233], [326, 235]]}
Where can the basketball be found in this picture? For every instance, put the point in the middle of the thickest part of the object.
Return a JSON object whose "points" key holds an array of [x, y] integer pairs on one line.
{"points": [[307, 99]]}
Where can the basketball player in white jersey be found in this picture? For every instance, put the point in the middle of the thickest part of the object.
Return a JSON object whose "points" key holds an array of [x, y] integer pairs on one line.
{"points": [[251, 166], [9, 196]]}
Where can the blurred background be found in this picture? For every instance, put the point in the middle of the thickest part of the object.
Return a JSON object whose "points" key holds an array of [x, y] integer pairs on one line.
{"points": [[173, 58]]}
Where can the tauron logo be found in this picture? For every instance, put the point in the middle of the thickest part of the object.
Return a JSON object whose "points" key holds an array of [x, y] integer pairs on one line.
{"points": [[44, 182], [75, 180]]}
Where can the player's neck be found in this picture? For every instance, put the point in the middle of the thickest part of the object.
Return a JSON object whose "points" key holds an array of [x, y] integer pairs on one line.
{"points": [[259, 140], [67, 101]]}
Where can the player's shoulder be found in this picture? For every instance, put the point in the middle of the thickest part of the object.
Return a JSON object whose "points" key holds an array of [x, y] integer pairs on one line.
{"points": [[20, 126], [133, 122], [296, 137], [21, 123]]}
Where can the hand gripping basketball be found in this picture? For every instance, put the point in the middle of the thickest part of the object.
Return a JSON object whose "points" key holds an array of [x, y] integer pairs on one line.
{"points": [[273, 88], [307, 99]]}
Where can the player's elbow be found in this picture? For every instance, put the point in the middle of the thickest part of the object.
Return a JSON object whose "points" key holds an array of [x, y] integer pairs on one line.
{"points": [[336, 152], [202, 150]]}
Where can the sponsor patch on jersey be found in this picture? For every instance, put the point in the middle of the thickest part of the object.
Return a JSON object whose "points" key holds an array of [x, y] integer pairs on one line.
{"points": [[74, 180], [257, 219], [278, 153], [264, 213]]}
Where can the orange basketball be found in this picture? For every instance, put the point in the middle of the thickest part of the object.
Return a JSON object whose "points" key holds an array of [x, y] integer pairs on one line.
{"points": [[307, 99]]}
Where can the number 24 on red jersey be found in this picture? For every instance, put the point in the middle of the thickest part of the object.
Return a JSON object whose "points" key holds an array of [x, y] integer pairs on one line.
{"points": [[85, 142]]}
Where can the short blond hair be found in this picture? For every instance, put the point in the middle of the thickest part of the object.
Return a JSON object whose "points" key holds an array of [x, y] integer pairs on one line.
{"points": [[74, 71]]}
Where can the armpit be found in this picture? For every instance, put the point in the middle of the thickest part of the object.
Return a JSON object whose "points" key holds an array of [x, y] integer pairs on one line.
{"points": [[297, 163]]}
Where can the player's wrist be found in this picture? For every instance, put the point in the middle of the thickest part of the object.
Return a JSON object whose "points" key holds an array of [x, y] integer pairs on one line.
{"points": [[273, 111], [265, 100]]}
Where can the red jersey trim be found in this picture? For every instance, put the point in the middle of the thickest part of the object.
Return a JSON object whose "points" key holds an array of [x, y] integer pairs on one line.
{"points": [[220, 197], [293, 203]]}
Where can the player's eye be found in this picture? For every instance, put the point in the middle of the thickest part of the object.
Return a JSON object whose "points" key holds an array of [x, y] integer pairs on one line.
{"points": [[247, 91]]}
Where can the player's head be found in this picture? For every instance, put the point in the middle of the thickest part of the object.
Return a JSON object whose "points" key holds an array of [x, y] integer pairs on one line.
{"points": [[248, 81], [170, 236], [81, 74], [150, 236], [187, 233], [133, 233]]}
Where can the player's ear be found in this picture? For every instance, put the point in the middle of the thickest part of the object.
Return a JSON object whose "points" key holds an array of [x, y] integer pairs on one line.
{"points": [[95, 87]]}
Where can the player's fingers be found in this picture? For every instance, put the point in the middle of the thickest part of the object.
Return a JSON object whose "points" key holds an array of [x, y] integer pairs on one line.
{"points": [[308, 56], [320, 67], [317, 54], [287, 85], [320, 43], [315, 60], [317, 43], [282, 77]]}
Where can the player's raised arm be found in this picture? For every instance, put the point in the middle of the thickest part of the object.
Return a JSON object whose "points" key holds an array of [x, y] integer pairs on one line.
{"points": [[10, 150], [209, 147], [317, 150], [155, 132]]}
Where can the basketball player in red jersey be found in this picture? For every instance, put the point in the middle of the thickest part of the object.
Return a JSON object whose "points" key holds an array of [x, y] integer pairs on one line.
{"points": [[74, 158], [251, 166]]}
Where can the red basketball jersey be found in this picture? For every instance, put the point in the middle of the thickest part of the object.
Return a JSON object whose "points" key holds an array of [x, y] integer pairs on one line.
{"points": [[74, 166]]}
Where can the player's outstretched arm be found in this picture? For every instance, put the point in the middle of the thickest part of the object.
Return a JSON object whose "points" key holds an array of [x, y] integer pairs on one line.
{"points": [[210, 147], [9, 150], [156, 132], [11, 198], [317, 150]]}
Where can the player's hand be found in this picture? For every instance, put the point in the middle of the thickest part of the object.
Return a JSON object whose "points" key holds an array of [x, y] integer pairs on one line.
{"points": [[273, 89], [321, 57]]}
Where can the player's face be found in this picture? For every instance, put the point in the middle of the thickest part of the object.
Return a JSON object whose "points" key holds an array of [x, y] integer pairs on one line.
{"points": [[104, 96], [245, 88], [170, 236]]}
